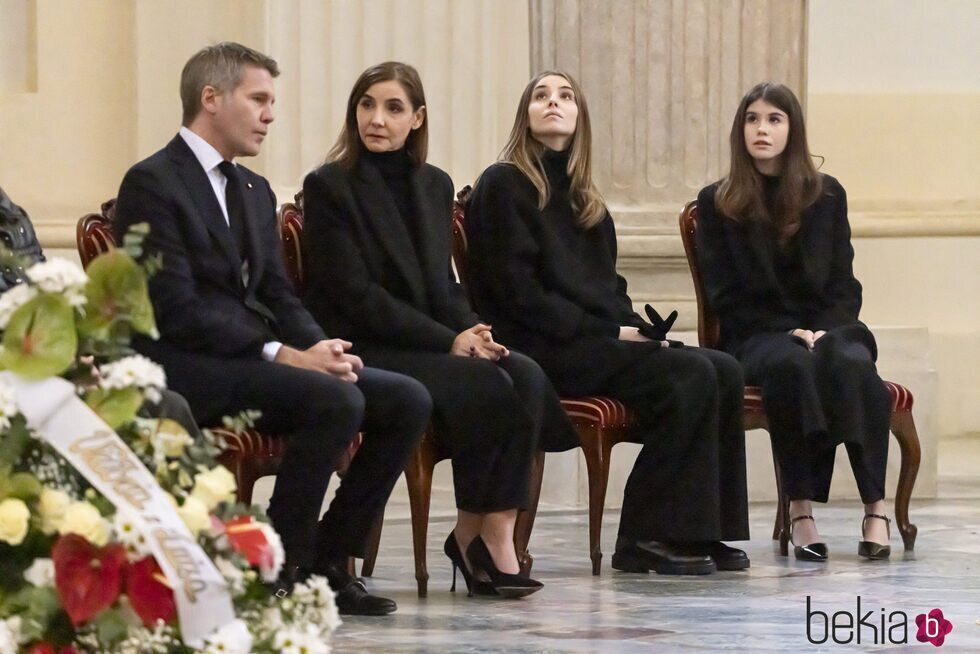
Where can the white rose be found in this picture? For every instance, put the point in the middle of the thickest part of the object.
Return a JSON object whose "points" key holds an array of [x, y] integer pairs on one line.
{"points": [[215, 486], [195, 515], [15, 518], [41, 573], [51, 507], [85, 520]]}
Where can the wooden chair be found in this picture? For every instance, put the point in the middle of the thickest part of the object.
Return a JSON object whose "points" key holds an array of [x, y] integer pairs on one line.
{"points": [[902, 425], [429, 452], [601, 422], [248, 455]]}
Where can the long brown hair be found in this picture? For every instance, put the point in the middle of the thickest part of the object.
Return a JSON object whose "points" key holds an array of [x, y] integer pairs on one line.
{"points": [[348, 146], [524, 152], [741, 195]]}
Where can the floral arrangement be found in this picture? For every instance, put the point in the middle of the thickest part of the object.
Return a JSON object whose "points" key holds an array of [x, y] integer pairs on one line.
{"points": [[76, 574]]}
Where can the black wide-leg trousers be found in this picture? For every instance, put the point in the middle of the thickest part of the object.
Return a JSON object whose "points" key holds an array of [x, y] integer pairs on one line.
{"points": [[489, 415], [816, 400], [688, 483]]}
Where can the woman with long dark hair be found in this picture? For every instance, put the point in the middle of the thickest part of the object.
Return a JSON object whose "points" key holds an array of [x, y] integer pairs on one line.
{"points": [[542, 261], [376, 248], [776, 255]]}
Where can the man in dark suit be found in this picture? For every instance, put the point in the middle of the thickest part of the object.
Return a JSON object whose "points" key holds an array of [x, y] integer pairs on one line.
{"points": [[233, 335]]}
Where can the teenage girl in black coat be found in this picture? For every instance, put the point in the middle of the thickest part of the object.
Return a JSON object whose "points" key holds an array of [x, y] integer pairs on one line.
{"points": [[776, 256], [543, 264]]}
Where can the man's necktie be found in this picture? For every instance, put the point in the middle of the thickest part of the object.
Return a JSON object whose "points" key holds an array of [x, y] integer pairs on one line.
{"points": [[235, 203]]}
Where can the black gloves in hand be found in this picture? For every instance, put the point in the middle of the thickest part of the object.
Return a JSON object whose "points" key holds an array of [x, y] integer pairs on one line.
{"points": [[658, 327]]}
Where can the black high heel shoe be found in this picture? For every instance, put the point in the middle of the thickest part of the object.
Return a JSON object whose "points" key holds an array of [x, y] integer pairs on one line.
{"points": [[870, 549], [505, 585], [811, 552], [473, 586]]}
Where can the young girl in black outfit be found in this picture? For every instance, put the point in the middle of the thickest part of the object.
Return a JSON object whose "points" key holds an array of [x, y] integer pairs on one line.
{"points": [[377, 255], [542, 260], [775, 252]]}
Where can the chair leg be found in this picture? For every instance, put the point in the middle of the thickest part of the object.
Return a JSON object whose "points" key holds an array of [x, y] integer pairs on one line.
{"points": [[780, 530], [373, 543], [418, 477], [597, 453], [903, 426], [525, 519], [246, 474]]}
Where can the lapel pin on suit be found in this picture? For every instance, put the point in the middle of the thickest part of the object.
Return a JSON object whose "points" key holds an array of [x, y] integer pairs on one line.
{"points": [[249, 184]]}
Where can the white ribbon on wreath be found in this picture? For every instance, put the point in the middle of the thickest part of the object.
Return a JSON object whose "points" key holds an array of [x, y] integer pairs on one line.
{"points": [[58, 416]]}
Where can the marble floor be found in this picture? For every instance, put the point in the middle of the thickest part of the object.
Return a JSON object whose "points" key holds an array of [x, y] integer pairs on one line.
{"points": [[759, 610]]}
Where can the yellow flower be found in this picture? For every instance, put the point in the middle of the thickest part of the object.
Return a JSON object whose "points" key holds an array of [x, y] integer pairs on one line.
{"points": [[195, 515], [15, 518], [215, 486], [85, 520], [51, 507]]}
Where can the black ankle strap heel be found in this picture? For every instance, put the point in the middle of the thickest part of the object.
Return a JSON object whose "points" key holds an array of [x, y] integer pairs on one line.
{"points": [[871, 550], [811, 552]]}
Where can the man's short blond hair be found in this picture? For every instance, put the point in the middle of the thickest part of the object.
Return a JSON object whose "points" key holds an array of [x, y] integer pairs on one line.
{"points": [[219, 66]]}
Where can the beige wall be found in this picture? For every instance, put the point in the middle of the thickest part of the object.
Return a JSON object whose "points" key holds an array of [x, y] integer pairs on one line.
{"points": [[893, 103], [894, 106], [108, 72]]}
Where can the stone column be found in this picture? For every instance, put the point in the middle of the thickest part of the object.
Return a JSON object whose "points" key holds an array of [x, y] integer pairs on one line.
{"points": [[663, 79]]}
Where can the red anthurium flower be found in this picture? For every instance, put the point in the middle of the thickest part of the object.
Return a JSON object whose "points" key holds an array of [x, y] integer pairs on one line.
{"points": [[40, 648], [148, 592], [88, 578]]}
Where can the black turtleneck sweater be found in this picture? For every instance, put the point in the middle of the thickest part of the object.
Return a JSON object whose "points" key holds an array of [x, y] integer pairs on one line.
{"points": [[395, 168], [538, 277]]}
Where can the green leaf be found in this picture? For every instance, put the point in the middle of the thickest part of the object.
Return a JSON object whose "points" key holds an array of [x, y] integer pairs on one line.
{"points": [[116, 406], [23, 486], [37, 608], [117, 293], [40, 340], [111, 627], [13, 442]]}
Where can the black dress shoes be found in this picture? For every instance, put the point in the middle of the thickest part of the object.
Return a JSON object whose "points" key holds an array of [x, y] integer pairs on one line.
{"points": [[664, 559], [352, 597], [725, 557]]}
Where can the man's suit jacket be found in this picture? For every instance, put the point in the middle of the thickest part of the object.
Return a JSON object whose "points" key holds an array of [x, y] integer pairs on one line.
{"points": [[738, 264], [364, 276], [201, 303]]}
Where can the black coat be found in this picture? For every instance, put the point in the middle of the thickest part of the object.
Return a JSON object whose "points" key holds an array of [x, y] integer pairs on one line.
{"points": [[199, 299], [393, 293], [548, 287], [739, 267], [364, 278]]}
